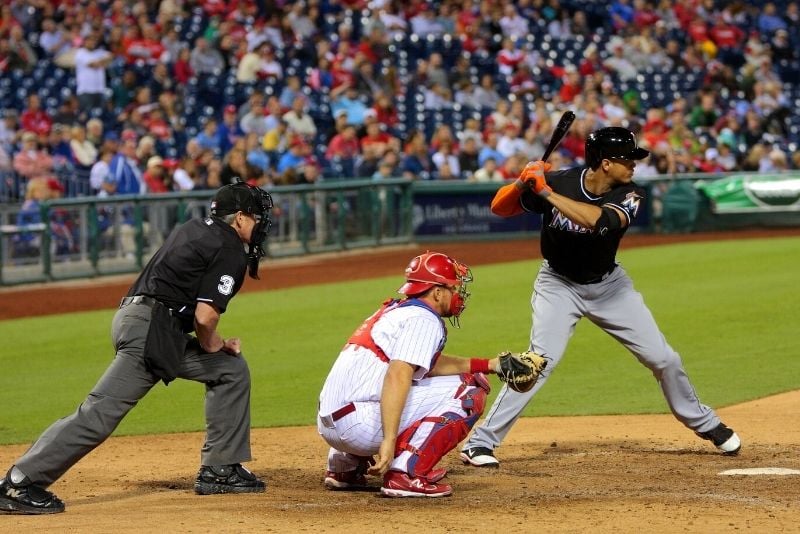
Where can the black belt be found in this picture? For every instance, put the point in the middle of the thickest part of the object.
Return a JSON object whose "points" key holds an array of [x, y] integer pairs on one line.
{"points": [[344, 410], [587, 282], [141, 299]]}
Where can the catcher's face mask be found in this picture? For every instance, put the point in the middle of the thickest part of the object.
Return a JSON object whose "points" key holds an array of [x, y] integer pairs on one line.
{"points": [[263, 204], [458, 303]]}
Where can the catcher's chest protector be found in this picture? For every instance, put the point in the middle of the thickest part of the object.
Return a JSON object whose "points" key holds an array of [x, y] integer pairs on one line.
{"points": [[363, 334]]}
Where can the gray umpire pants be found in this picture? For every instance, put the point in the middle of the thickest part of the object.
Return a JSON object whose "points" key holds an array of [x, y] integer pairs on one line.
{"points": [[227, 403]]}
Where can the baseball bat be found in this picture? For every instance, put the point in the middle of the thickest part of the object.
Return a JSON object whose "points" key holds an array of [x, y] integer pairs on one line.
{"points": [[559, 133]]}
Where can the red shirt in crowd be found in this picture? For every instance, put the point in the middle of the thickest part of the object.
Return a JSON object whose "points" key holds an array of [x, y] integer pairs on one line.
{"points": [[37, 121]]}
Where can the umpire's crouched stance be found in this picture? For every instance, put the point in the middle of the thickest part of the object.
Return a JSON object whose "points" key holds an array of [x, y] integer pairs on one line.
{"points": [[184, 288]]}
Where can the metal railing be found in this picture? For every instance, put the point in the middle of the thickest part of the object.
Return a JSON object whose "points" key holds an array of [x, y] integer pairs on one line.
{"points": [[91, 236]]}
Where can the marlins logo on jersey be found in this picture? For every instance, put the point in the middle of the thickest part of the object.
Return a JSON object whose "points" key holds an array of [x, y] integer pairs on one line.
{"points": [[631, 203], [561, 222]]}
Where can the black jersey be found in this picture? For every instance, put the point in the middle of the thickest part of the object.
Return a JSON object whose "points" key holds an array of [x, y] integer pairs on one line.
{"points": [[202, 260], [572, 250]]}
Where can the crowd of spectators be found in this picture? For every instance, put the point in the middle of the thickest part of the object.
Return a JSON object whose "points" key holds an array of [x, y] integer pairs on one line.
{"points": [[124, 96]]}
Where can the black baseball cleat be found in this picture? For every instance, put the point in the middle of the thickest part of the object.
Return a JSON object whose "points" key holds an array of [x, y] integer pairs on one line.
{"points": [[234, 478], [27, 499], [723, 438], [479, 457]]}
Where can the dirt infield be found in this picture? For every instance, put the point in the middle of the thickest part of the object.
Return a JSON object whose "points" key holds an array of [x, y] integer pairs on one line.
{"points": [[576, 474]]}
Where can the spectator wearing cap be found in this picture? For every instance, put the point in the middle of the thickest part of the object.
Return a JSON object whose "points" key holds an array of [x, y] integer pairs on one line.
{"points": [[339, 122], [345, 97], [91, 62], [376, 141], [28, 243], [344, 145], [155, 178], [229, 130], [298, 121], [31, 162]]}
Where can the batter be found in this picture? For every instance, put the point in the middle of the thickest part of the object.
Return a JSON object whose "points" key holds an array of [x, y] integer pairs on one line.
{"points": [[586, 211]]}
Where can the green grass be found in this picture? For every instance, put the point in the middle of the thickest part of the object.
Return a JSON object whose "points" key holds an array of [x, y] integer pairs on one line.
{"points": [[729, 307]]}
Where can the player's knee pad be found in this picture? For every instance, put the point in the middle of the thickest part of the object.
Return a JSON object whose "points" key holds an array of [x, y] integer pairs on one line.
{"points": [[473, 391]]}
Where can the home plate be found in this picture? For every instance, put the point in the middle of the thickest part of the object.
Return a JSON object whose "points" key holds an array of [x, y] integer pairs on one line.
{"points": [[762, 471]]}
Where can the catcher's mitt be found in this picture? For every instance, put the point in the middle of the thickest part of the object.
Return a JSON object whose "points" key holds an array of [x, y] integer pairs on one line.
{"points": [[520, 371]]}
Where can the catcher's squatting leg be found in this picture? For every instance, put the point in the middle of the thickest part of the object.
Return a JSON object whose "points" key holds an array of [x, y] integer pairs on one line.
{"points": [[615, 306], [446, 398]]}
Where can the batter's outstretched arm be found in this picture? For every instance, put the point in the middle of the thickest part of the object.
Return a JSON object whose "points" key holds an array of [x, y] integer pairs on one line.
{"points": [[396, 384]]}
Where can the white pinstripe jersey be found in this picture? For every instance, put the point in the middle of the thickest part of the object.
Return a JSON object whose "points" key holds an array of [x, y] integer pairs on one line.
{"points": [[409, 331]]}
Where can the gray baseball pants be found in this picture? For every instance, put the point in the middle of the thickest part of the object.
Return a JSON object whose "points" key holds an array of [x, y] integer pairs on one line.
{"points": [[227, 403], [616, 307]]}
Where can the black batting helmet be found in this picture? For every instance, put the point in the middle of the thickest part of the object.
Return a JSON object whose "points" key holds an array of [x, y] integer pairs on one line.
{"points": [[612, 142]]}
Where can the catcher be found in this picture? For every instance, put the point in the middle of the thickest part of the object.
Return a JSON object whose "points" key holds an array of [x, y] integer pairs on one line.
{"points": [[393, 394]]}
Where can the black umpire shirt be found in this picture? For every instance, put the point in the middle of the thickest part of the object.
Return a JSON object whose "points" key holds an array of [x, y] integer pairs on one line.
{"points": [[570, 249], [202, 260]]}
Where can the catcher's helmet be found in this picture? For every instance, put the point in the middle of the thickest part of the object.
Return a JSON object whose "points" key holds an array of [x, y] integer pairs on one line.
{"points": [[436, 269], [612, 142]]}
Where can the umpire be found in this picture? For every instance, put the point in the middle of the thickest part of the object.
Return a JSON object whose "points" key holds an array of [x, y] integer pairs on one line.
{"points": [[184, 288]]}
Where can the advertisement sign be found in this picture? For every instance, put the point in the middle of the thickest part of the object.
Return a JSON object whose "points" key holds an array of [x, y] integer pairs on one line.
{"points": [[753, 193], [463, 211]]}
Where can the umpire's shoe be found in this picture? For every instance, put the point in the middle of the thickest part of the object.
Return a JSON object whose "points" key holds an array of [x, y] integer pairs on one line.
{"points": [[479, 457], [27, 498], [723, 438], [234, 478]]}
